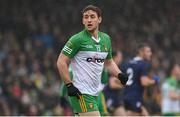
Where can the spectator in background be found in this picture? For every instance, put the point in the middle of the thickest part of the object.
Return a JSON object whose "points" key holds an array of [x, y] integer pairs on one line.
{"points": [[171, 93]]}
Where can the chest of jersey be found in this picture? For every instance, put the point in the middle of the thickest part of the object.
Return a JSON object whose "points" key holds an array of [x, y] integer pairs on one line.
{"points": [[91, 51], [89, 44]]}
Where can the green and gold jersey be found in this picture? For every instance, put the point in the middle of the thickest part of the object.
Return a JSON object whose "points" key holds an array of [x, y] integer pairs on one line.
{"points": [[104, 79], [88, 57]]}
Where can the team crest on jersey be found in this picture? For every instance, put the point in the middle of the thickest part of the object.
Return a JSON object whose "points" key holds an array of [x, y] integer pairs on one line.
{"points": [[91, 105], [105, 48]]}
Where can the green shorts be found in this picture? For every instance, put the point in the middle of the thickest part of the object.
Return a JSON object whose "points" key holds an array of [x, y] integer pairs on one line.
{"points": [[86, 103], [102, 104]]}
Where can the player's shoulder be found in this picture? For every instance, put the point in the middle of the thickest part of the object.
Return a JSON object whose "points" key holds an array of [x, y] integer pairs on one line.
{"points": [[76, 37], [138, 62], [143, 64], [105, 38], [103, 34]]}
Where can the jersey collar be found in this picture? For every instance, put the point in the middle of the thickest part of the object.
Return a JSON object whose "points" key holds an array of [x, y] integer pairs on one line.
{"points": [[137, 58], [97, 41]]}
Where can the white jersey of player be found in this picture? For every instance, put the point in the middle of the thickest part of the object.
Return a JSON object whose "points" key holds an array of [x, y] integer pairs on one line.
{"points": [[88, 56]]}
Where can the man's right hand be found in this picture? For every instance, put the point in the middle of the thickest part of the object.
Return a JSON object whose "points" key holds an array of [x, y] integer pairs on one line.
{"points": [[72, 90]]}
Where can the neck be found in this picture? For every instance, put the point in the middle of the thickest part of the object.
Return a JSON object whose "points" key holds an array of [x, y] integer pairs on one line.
{"points": [[94, 33]]}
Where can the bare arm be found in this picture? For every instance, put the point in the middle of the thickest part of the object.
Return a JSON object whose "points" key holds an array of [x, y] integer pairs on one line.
{"points": [[112, 67], [146, 81], [63, 64]]}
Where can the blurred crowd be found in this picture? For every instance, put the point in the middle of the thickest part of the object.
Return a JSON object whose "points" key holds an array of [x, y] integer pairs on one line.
{"points": [[32, 34]]}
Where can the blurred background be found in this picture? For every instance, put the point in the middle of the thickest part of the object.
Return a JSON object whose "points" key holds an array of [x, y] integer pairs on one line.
{"points": [[33, 32]]}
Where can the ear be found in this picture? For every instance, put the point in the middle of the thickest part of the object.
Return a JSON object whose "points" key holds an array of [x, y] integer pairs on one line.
{"points": [[100, 19]]}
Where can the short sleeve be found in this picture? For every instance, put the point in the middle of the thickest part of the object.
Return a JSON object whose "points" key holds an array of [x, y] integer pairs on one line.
{"points": [[71, 47], [109, 56]]}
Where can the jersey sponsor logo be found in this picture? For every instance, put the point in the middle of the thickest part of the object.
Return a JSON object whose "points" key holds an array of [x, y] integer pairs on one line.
{"points": [[67, 49], [98, 60], [87, 46]]}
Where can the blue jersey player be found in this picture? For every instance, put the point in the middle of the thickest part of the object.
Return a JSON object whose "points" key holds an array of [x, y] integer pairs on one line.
{"points": [[137, 69]]}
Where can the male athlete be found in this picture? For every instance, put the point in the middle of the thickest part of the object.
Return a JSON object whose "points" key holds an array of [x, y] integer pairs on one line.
{"points": [[87, 51], [137, 69]]}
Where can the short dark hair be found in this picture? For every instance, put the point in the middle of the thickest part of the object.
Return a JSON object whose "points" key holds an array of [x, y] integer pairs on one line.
{"points": [[93, 8], [141, 46]]}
